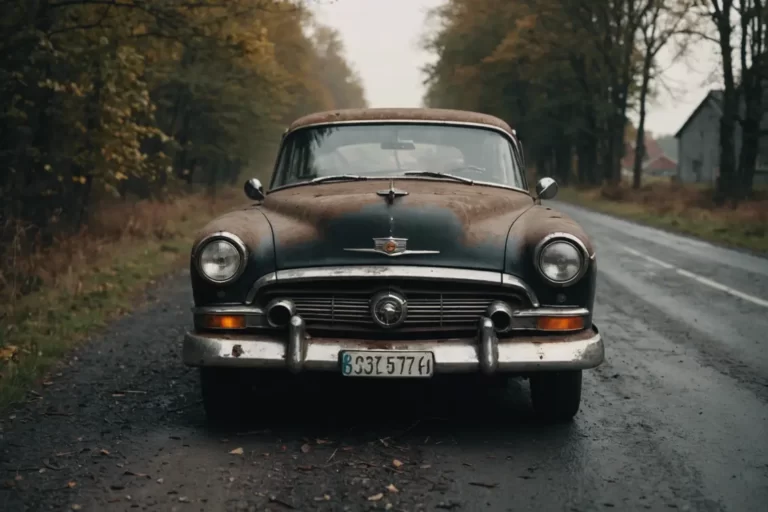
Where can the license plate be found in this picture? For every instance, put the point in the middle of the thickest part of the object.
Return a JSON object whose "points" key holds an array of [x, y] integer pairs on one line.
{"points": [[367, 363]]}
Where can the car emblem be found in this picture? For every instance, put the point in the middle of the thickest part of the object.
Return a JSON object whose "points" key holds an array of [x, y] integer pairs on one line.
{"points": [[388, 309], [390, 246]]}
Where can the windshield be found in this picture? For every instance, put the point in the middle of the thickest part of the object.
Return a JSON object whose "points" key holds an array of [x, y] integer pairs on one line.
{"points": [[391, 149]]}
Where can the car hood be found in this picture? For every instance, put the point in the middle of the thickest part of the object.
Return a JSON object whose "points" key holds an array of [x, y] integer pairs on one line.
{"points": [[461, 225]]}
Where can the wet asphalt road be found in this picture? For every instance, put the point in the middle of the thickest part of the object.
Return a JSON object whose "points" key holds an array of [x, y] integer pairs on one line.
{"points": [[676, 419]]}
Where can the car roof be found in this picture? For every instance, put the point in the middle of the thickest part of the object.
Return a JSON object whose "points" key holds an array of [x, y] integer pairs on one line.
{"points": [[400, 114]]}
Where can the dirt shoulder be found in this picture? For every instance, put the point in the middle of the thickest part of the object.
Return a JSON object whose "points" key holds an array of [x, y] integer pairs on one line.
{"points": [[85, 281]]}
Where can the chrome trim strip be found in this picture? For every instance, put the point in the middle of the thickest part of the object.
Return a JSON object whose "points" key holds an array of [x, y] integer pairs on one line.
{"points": [[393, 272], [229, 237], [392, 254], [227, 310], [545, 311], [575, 241], [579, 351]]}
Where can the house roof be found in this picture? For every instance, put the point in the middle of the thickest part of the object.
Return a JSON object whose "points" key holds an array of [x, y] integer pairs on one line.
{"points": [[660, 163], [400, 114], [652, 151], [713, 99]]}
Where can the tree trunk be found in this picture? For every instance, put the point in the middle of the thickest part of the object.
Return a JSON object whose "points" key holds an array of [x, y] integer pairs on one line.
{"points": [[637, 170], [750, 132], [750, 140], [725, 184]]}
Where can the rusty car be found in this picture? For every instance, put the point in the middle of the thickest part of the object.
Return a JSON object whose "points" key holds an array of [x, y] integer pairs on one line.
{"points": [[396, 243]]}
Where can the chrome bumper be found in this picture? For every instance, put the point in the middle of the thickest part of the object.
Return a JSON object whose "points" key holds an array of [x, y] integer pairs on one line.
{"points": [[486, 353]]}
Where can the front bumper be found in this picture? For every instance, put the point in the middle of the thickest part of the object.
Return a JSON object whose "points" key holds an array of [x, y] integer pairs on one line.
{"points": [[485, 352]]}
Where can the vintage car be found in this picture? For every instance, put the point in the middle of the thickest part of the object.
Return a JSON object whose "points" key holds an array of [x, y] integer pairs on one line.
{"points": [[398, 243]]}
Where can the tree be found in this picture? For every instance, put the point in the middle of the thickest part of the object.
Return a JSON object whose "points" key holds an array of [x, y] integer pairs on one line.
{"points": [[658, 25], [564, 70], [145, 97]]}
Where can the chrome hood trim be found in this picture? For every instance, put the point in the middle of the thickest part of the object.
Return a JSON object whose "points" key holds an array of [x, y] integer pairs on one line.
{"points": [[394, 272]]}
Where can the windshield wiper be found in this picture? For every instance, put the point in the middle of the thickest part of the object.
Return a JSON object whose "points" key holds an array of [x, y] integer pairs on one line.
{"points": [[339, 177], [435, 174]]}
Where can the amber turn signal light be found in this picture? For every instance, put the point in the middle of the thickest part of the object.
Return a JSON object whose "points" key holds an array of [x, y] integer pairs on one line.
{"points": [[223, 321], [560, 323]]}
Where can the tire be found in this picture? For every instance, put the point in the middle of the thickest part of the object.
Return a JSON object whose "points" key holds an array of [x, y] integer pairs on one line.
{"points": [[224, 391], [556, 396]]}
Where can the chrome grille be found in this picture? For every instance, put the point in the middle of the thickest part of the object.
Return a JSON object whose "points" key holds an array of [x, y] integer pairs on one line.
{"points": [[427, 311]]}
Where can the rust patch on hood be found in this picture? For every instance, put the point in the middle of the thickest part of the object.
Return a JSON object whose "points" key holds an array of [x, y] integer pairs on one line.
{"points": [[298, 214], [541, 221], [247, 223], [400, 114]]}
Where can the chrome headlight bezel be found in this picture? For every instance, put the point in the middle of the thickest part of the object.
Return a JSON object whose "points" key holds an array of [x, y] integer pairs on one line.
{"points": [[566, 238], [227, 237]]}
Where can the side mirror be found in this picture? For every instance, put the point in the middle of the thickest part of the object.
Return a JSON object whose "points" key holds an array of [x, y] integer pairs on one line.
{"points": [[546, 188], [254, 190]]}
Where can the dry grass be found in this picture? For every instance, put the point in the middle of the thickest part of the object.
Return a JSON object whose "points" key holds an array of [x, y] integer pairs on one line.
{"points": [[682, 208], [50, 299]]}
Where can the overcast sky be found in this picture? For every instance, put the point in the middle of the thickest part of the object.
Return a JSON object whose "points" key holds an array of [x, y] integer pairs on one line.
{"points": [[382, 44]]}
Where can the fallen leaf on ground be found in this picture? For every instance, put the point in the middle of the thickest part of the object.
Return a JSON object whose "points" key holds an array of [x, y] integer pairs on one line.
{"points": [[376, 497], [397, 463], [77, 507], [160, 480], [426, 466], [183, 499], [392, 488], [324, 497], [305, 448], [104, 451], [236, 451], [140, 475], [71, 484]]}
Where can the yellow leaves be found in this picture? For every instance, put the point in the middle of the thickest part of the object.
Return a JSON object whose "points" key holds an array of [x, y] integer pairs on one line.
{"points": [[119, 176], [8, 353], [80, 179]]}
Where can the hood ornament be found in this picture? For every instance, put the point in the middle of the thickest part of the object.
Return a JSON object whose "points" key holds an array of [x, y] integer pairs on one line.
{"points": [[390, 246], [392, 193]]}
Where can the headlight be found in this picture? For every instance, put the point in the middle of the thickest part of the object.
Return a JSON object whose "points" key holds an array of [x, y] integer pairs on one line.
{"points": [[221, 259], [560, 261]]}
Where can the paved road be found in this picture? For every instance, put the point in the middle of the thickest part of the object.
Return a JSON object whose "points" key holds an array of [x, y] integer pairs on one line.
{"points": [[677, 419]]}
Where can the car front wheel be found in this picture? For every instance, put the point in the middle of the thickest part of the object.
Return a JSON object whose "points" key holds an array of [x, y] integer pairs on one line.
{"points": [[556, 396]]}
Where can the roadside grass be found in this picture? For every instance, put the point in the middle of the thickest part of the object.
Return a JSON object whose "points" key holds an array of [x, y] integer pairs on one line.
{"points": [[83, 281], [683, 209]]}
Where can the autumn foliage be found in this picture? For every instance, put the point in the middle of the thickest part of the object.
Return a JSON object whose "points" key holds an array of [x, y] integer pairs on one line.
{"points": [[564, 72], [124, 100]]}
